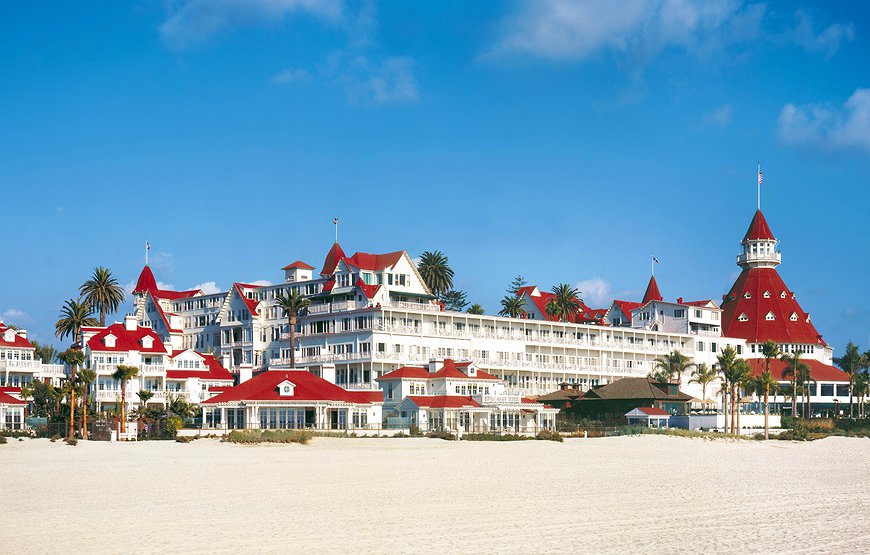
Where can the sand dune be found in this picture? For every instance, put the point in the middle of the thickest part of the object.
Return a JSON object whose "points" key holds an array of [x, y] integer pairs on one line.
{"points": [[641, 494]]}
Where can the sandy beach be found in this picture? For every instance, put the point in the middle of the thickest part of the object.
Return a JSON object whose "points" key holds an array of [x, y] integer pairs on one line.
{"points": [[632, 494]]}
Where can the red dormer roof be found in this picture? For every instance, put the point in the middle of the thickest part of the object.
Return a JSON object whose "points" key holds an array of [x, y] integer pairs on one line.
{"points": [[298, 265], [540, 299], [250, 304], [652, 291], [146, 281], [329, 285], [6, 399], [626, 307], [264, 387], [214, 370], [374, 262], [746, 309], [174, 295], [334, 255], [368, 290], [758, 229], [413, 372], [126, 340], [17, 340], [449, 370]]}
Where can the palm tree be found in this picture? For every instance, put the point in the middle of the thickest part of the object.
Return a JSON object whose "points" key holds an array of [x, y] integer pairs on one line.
{"points": [[475, 309], [566, 302], [850, 363], [46, 353], [26, 393], [87, 377], [764, 385], [733, 371], [862, 390], [73, 357], [292, 305], [794, 368], [770, 350], [144, 396], [675, 364], [704, 375], [102, 293], [123, 374], [660, 376], [436, 272], [806, 376], [512, 307], [74, 316]]}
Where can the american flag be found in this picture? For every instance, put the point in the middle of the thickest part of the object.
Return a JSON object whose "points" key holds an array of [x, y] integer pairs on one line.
{"points": [[335, 220], [147, 246], [759, 177], [656, 260]]}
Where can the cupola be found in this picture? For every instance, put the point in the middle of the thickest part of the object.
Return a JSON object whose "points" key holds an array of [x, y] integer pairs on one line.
{"points": [[759, 245]]}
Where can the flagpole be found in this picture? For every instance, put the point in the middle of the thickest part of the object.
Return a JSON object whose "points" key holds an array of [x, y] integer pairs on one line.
{"points": [[146, 253], [758, 184]]}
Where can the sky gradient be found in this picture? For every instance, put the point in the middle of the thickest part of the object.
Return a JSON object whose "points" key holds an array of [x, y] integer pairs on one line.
{"points": [[563, 141]]}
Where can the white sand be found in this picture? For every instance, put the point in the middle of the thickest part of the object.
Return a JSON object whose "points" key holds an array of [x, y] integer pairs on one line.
{"points": [[637, 494]]}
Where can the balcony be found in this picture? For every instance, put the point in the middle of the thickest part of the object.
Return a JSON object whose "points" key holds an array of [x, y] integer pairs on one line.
{"points": [[20, 365]]}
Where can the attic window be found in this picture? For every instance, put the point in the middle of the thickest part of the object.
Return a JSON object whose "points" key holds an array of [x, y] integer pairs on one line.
{"points": [[794, 317], [770, 317], [782, 295], [286, 388], [743, 317], [767, 294], [747, 295], [110, 341], [147, 342]]}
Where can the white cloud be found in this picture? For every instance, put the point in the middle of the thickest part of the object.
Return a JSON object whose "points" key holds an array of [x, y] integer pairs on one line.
{"points": [[14, 314], [827, 41], [208, 288], [720, 117], [595, 292], [291, 76], [262, 282], [193, 22], [635, 29], [828, 126], [388, 81]]}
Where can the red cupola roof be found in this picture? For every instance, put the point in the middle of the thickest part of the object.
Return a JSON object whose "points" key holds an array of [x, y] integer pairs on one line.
{"points": [[333, 257], [758, 229], [652, 291], [146, 281]]}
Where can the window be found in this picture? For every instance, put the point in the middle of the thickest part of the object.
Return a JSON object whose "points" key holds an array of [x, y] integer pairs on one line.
{"points": [[842, 390], [827, 390], [793, 317], [767, 294], [697, 314], [770, 317], [747, 295], [743, 317], [679, 313]]}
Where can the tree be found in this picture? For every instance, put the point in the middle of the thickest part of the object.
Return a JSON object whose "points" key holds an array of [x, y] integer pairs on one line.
{"points": [[704, 375], [87, 377], [144, 396], [862, 390], [123, 374], [102, 293], [26, 393], [293, 305], [73, 357], [512, 307], [436, 272], [675, 364], [518, 283], [74, 316], [659, 376], [46, 353], [850, 363], [733, 372], [795, 369], [454, 300], [765, 383], [475, 309], [565, 303]]}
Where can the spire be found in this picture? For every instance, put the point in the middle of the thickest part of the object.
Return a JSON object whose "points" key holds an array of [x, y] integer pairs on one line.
{"points": [[758, 229], [146, 281], [333, 257], [759, 245], [652, 291]]}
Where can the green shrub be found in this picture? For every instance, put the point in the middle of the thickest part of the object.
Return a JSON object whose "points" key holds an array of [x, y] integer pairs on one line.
{"points": [[3, 440], [55, 437], [494, 437], [449, 436], [269, 436], [549, 435], [184, 439], [71, 441], [414, 430]]}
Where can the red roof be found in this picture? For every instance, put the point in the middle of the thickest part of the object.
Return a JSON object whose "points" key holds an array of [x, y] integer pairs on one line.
{"points": [[6, 399], [626, 307], [758, 229], [652, 291], [757, 328], [146, 281], [653, 411], [442, 401], [819, 371], [298, 264], [366, 261], [584, 315], [413, 372], [17, 340], [250, 304], [450, 369], [264, 387], [174, 295], [329, 285], [9, 389], [368, 290], [374, 396], [332, 257], [126, 340], [214, 369]]}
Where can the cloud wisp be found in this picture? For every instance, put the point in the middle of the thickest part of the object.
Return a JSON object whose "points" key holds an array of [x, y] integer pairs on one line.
{"points": [[720, 117], [828, 126], [208, 288], [595, 292]]}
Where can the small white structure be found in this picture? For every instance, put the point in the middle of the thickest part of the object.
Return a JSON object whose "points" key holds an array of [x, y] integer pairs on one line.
{"points": [[11, 412], [651, 417]]}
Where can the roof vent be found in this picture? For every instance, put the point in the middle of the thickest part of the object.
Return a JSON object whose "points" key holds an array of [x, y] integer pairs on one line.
{"points": [[743, 317], [747, 295], [767, 294], [793, 317], [782, 295], [770, 317]]}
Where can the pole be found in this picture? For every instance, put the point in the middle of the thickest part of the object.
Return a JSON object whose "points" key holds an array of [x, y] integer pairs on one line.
{"points": [[758, 181]]}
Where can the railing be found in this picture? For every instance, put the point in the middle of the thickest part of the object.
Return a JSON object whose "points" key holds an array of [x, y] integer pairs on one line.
{"points": [[20, 364], [358, 386]]}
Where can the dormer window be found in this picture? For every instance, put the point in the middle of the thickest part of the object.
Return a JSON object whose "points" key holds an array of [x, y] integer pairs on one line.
{"points": [[747, 295], [147, 342], [110, 341], [286, 388], [782, 295], [794, 317], [770, 317], [743, 317], [767, 294]]}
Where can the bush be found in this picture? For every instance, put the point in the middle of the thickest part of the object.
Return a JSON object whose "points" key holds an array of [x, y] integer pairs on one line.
{"points": [[55, 437], [415, 431], [16, 433], [170, 429], [549, 435], [71, 441], [494, 437], [449, 436], [3, 440], [269, 436], [184, 439]]}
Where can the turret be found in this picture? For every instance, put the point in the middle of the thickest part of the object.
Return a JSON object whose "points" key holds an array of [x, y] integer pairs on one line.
{"points": [[759, 245]]}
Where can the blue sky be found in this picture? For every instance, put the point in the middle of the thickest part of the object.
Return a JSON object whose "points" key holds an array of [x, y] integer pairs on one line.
{"points": [[562, 141]]}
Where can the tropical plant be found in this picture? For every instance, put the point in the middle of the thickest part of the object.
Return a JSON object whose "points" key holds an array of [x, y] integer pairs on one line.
{"points": [[87, 377], [123, 374], [436, 272], [794, 369], [850, 363], [675, 364], [102, 293], [807, 380], [704, 375], [512, 307], [518, 283], [454, 300], [144, 396], [46, 353], [293, 305], [475, 309], [660, 376], [565, 303], [862, 390], [733, 372], [765, 384], [75, 315], [72, 357], [179, 406], [26, 393]]}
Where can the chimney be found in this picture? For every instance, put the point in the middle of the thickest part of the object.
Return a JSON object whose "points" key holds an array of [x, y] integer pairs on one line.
{"points": [[130, 322], [22, 334], [679, 300]]}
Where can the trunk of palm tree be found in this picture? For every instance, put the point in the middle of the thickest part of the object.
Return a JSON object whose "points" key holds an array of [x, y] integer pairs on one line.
{"points": [[123, 407], [102, 317], [704, 395], [724, 392], [851, 406], [766, 414], [794, 397], [72, 403], [732, 408], [292, 342], [85, 413], [809, 401], [739, 403]]}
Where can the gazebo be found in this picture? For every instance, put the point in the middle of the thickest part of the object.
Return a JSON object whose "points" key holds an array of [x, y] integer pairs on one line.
{"points": [[651, 417]]}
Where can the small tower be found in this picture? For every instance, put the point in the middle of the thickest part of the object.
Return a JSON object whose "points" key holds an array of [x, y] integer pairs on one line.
{"points": [[759, 245]]}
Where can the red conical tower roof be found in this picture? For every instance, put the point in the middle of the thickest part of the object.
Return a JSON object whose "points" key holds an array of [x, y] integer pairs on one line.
{"points": [[146, 281], [758, 229], [334, 255], [652, 291]]}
